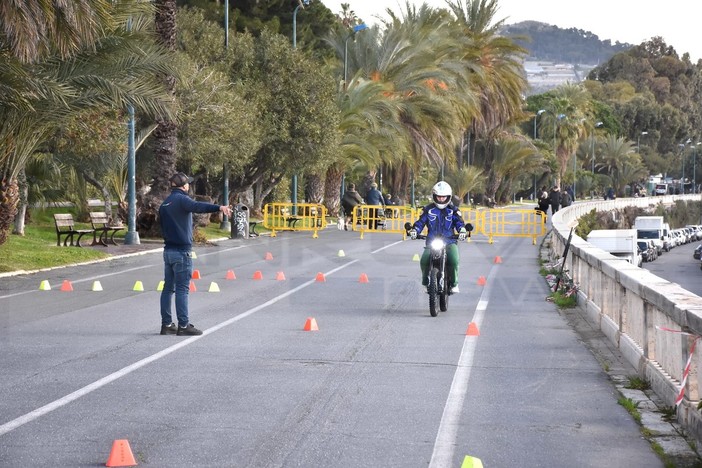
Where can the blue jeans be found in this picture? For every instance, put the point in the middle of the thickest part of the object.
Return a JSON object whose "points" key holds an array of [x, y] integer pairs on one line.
{"points": [[178, 270]]}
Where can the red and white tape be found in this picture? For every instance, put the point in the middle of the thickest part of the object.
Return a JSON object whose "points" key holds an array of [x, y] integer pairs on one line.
{"points": [[686, 370]]}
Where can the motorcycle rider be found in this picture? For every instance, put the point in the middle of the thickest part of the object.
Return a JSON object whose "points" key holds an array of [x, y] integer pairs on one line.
{"points": [[441, 217]]}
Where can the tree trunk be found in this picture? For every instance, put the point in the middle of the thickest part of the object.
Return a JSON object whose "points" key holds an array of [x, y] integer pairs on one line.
{"points": [[314, 188], [332, 189], [368, 179], [23, 200], [107, 198], [165, 135], [9, 196]]}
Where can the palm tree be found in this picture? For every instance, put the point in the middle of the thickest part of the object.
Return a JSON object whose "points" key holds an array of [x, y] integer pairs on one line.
{"points": [[465, 180], [494, 63], [114, 70], [165, 135], [621, 162]]}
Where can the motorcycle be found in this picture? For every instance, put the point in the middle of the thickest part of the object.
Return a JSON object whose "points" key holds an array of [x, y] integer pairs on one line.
{"points": [[440, 280]]}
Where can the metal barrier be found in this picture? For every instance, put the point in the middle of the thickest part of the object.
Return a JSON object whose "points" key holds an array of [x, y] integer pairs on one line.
{"points": [[377, 218], [307, 217], [506, 222]]}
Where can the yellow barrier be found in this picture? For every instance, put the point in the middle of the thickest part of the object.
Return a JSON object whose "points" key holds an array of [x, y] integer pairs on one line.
{"points": [[294, 217], [493, 222], [506, 222], [377, 218]]}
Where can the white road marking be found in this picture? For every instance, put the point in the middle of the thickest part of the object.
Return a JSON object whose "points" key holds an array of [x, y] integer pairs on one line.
{"points": [[39, 412], [442, 456]]}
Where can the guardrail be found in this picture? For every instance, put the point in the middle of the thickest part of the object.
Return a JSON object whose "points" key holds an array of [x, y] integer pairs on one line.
{"points": [[294, 217], [637, 309]]}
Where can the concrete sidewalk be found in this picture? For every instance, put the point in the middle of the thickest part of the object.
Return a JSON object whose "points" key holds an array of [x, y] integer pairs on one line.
{"points": [[665, 435]]}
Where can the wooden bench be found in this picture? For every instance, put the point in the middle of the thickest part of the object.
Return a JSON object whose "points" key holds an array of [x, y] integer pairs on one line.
{"points": [[102, 228], [65, 226]]}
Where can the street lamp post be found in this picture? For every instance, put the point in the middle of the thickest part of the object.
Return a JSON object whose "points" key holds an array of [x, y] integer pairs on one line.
{"points": [[132, 235], [293, 188], [694, 167], [357, 28], [225, 225], [301, 4], [592, 156], [682, 157], [541, 111]]}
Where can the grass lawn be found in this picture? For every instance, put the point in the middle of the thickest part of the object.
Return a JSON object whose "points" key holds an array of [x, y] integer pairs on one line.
{"points": [[37, 248]]}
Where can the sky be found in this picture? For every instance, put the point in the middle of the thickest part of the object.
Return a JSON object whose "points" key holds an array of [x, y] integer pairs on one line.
{"points": [[617, 20]]}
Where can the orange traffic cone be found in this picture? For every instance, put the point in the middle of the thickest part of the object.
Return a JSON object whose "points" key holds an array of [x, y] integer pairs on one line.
{"points": [[269, 256], [482, 281], [363, 278], [230, 275], [472, 329], [66, 286], [311, 324], [196, 274], [498, 259], [192, 287], [320, 277], [280, 276], [257, 275], [121, 454]]}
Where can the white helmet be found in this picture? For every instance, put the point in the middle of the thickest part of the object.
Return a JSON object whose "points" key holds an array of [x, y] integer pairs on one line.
{"points": [[441, 194]]}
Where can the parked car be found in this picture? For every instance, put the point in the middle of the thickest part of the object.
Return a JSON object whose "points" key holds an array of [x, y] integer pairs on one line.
{"points": [[646, 252], [697, 254]]}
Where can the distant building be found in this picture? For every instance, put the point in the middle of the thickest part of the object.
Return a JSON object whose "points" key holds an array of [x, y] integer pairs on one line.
{"points": [[543, 75]]}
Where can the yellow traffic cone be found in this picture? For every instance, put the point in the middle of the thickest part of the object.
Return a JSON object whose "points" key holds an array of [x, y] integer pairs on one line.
{"points": [[97, 286], [44, 286], [138, 286]]}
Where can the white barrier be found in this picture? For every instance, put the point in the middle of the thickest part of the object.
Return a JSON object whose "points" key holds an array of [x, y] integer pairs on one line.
{"points": [[631, 305]]}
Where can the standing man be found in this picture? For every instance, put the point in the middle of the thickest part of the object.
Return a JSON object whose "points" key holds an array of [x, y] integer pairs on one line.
{"points": [[175, 216], [554, 197], [374, 197]]}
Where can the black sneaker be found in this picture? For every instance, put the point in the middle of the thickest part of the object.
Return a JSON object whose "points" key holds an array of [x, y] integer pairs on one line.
{"points": [[189, 330], [169, 329]]}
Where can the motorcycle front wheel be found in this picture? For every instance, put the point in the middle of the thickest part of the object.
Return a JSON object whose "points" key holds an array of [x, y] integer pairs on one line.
{"points": [[443, 299], [433, 290]]}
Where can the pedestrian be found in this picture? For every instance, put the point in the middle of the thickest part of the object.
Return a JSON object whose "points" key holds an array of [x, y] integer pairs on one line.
{"points": [[176, 219], [543, 201], [349, 202], [554, 197], [374, 198], [566, 199]]}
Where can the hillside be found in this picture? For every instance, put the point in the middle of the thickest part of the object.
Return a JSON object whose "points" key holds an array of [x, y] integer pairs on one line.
{"points": [[574, 46], [559, 55]]}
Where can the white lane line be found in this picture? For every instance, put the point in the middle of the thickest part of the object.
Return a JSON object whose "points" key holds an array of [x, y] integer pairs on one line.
{"points": [[445, 443], [39, 412]]}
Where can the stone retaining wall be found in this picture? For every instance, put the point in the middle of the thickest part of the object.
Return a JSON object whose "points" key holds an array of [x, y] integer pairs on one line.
{"points": [[630, 305]]}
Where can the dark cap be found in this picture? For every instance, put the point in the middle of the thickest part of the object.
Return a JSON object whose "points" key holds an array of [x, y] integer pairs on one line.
{"points": [[180, 179]]}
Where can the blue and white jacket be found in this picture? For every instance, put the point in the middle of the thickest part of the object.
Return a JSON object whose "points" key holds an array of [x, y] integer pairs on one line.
{"points": [[440, 222]]}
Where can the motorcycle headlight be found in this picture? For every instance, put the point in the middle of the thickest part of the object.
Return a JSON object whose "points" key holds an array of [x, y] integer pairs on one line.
{"points": [[437, 244]]}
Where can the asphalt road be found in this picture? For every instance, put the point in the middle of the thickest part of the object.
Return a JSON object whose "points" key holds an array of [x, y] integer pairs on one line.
{"points": [[678, 266], [381, 384]]}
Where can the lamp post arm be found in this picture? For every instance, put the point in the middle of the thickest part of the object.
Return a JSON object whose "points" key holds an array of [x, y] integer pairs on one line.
{"points": [[295, 26]]}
